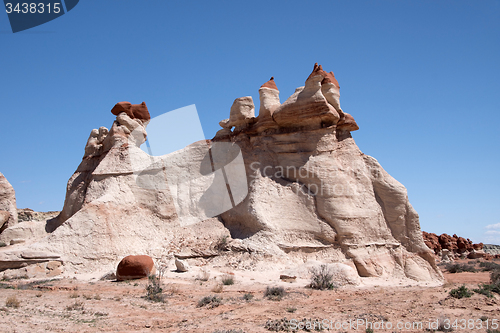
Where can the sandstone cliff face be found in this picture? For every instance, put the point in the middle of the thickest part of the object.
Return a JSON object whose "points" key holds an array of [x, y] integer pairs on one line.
{"points": [[8, 209]]}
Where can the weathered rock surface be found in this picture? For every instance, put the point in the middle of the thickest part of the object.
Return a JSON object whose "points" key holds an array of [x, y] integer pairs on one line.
{"points": [[242, 112], [135, 267], [7, 204]]}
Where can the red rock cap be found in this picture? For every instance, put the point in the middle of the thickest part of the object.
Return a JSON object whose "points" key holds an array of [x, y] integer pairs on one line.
{"points": [[330, 78], [317, 70], [270, 84], [134, 111]]}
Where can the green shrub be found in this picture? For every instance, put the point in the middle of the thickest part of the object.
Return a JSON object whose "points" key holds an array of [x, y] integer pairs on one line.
{"points": [[248, 297], [154, 289], [227, 280], [460, 292], [2, 244], [210, 302], [274, 293], [484, 289], [321, 278]]}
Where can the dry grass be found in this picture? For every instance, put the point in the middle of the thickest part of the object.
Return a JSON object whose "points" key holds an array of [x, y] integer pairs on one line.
{"points": [[75, 306], [12, 302], [204, 275], [227, 279], [218, 288]]}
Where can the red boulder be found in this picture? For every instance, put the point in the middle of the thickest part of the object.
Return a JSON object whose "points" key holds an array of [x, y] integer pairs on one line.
{"points": [[135, 267]]}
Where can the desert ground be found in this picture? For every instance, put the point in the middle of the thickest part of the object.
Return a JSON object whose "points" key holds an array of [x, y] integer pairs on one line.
{"points": [[73, 305]]}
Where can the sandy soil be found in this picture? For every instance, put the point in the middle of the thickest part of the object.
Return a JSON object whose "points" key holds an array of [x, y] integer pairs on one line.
{"points": [[69, 305]]}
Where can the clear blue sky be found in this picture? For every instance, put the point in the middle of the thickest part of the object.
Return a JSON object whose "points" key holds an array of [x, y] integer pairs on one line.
{"points": [[421, 78]]}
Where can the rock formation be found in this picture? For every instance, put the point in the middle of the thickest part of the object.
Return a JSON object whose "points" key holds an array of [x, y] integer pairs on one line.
{"points": [[8, 209], [454, 246], [311, 195], [312, 189]]}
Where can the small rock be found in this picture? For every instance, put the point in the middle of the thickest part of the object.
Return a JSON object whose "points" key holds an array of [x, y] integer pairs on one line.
{"points": [[181, 266]]}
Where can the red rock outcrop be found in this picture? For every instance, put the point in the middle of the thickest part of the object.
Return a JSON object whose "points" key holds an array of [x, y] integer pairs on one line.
{"points": [[134, 111], [135, 267], [453, 243]]}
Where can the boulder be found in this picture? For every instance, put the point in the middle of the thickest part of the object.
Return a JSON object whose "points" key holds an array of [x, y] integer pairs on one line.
{"points": [[135, 267]]}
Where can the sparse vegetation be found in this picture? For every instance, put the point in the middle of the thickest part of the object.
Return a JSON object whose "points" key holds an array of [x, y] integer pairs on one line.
{"points": [[75, 306], [495, 278], [154, 289], [204, 275], [285, 325], [2, 244], [12, 302], [221, 243], [218, 288], [210, 302], [248, 297], [369, 330], [460, 292], [74, 295], [227, 279], [485, 289], [291, 309], [274, 293], [321, 278], [489, 266], [459, 268], [173, 289]]}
